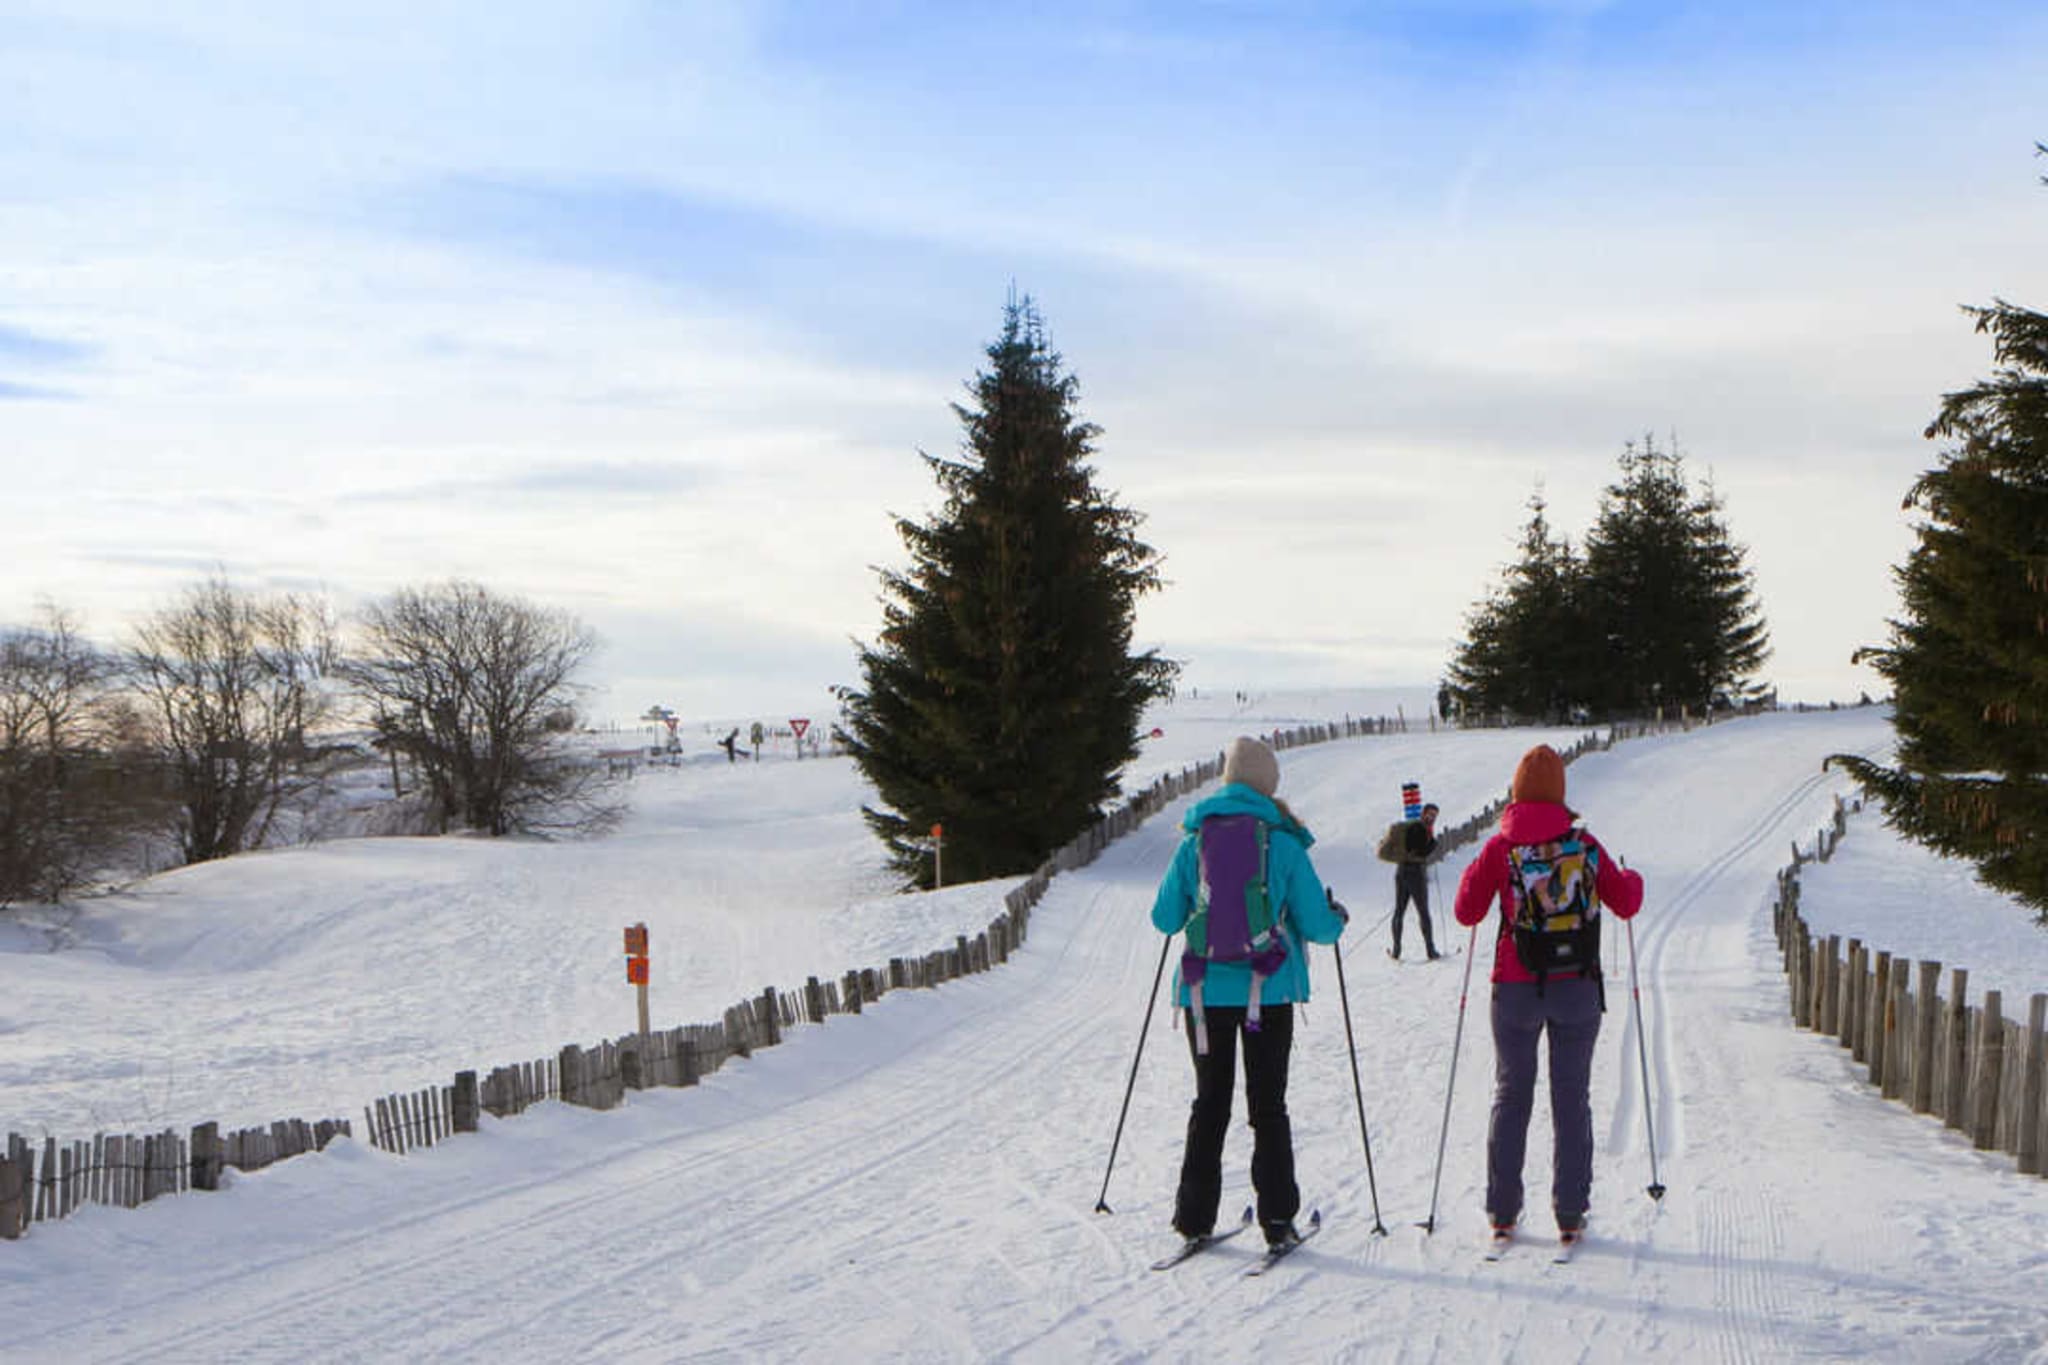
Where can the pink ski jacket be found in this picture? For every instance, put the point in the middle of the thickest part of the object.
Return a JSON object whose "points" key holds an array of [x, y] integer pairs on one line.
{"points": [[1485, 883]]}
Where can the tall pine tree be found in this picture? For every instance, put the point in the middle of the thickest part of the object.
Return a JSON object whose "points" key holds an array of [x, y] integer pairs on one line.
{"points": [[1525, 646], [1968, 658], [1001, 697], [1660, 610], [1669, 592]]}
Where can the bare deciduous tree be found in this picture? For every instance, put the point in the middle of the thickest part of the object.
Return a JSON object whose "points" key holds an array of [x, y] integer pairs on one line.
{"points": [[231, 684], [69, 802], [469, 685]]}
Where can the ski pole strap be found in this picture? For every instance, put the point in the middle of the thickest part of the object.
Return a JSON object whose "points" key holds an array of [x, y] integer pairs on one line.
{"points": [[1251, 1008], [1196, 1020]]}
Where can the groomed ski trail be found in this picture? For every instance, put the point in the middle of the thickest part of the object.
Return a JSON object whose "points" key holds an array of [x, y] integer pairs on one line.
{"points": [[922, 1177]]}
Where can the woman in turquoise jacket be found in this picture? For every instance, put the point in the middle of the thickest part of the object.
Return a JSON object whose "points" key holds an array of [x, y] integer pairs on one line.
{"points": [[1220, 1001]]}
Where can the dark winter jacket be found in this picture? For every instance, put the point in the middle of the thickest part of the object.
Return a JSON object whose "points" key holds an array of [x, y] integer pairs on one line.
{"points": [[1420, 844]]}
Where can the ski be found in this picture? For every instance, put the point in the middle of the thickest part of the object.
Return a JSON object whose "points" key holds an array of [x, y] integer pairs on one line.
{"points": [[1191, 1245], [1275, 1255]]}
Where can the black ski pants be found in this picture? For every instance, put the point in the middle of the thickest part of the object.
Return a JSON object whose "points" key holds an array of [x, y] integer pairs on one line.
{"points": [[1411, 883], [1265, 1093]]}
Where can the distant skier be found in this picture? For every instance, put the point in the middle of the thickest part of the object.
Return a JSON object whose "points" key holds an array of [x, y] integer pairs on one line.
{"points": [[1411, 879], [1551, 879], [731, 744], [1242, 886]]}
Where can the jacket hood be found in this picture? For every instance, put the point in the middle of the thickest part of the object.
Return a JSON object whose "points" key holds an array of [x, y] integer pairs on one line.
{"points": [[1237, 799], [1536, 822]]}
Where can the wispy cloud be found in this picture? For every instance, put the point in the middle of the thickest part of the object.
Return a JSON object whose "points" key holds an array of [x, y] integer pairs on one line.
{"points": [[11, 392], [22, 349], [594, 480], [21, 346]]}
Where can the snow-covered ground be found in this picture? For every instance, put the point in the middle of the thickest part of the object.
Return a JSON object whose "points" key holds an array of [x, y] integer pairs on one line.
{"points": [[918, 1183]]}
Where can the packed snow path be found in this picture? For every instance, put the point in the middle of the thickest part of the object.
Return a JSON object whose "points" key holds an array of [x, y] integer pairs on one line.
{"points": [[917, 1183]]}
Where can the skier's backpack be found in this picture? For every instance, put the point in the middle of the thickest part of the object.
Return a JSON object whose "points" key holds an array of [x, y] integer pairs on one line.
{"points": [[1234, 919], [1394, 843], [1555, 918]]}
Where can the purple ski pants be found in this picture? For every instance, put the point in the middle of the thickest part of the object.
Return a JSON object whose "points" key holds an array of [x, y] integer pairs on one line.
{"points": [[1569, 1011]]}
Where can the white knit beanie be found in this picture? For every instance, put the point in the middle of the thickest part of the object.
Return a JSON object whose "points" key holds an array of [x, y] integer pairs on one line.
{"points": [[1251, 762]]}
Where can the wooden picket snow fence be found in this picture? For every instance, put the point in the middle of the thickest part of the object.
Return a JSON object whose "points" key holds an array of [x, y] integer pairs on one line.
{"points": [[126, 1170], [123, 1170], [1978, 1071]]}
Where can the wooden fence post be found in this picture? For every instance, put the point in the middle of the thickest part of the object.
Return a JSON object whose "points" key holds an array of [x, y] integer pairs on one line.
{"points": [[13, 1206], [570, 1064], [632, 1071], [2029, 1145], [1895, 1035], [1880, 999], [770, 1019], [1830, 986], [1955, 1105], [1795, 973], [1852, 994], [462, 1111], [1984, 1088], [1923, 1037], [207, 1156]]}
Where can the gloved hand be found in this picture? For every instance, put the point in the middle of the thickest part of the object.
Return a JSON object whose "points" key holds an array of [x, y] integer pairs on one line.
{"points": [[1337, 906]]}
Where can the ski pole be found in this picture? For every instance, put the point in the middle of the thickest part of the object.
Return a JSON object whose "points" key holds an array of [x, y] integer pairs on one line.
{"points": [[1102, 1199], [1379, 1229], [1635, 990], [1428, 1225], [1436, 877]]}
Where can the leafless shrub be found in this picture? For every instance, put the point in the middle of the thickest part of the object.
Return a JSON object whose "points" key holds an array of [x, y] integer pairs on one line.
{"points": [[471, 687], [74, 791], [231, 685]]}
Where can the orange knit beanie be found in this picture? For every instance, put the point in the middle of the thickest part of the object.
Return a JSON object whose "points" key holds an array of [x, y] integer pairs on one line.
{"points": [[1538, 777]]}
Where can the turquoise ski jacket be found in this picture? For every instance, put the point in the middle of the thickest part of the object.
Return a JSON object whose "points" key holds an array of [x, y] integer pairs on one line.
{"points": [[1302, 908]]}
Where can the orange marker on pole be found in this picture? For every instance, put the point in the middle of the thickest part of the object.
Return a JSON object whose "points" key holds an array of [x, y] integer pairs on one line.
{"points": [[637, 969]]}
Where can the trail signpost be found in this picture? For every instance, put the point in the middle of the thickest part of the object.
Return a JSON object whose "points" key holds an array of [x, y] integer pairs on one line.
{"points": [[636, 967]]}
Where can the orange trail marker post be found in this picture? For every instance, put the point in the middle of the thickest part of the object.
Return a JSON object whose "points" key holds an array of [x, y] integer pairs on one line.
{"points": [[938, 855], [636, 968]]}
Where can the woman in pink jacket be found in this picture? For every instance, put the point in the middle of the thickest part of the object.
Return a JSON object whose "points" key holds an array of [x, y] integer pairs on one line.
{"points": [[1551, 880]]}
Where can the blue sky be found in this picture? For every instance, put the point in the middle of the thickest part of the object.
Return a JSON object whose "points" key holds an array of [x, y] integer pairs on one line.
{"points": [[646, 310]]}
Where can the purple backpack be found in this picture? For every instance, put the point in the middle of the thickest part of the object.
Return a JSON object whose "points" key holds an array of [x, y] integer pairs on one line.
{"points": [[1234, 920]]}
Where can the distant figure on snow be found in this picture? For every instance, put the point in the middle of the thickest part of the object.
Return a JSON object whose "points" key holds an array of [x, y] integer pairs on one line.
{"points": [[1411, 879], [731, 745]]}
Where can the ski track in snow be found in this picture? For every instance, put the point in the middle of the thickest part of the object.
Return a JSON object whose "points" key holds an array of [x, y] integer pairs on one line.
{"points": [[917, 1183]]}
